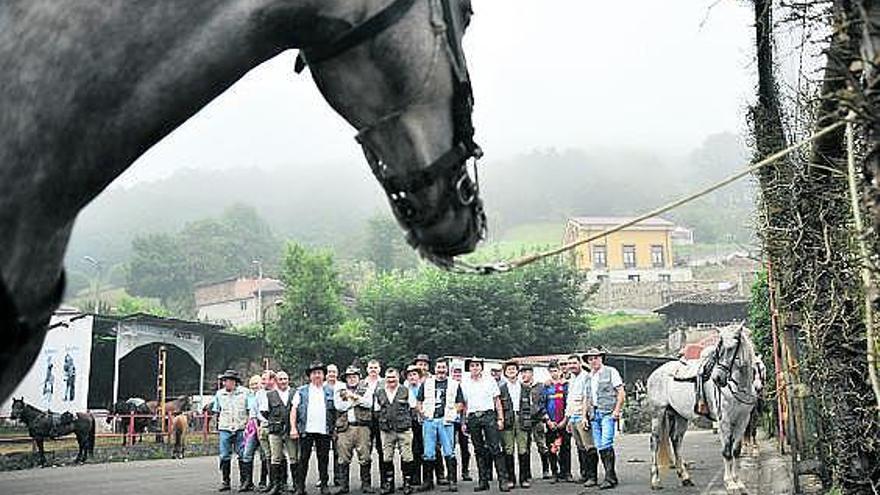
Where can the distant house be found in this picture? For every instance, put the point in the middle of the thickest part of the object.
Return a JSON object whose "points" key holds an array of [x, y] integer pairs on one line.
{"points": [[682, 236], [236, 301], [639, 253]]}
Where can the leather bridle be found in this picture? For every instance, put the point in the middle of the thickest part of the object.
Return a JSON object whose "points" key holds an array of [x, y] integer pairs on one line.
{"points": [[450, 169]]}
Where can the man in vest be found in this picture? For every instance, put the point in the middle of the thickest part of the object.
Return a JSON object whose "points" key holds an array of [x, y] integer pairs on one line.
{"points": [[606, 394], [231, 404], [413, 382], [579, 421], [274, 406], [516, 402], [395, 424], [268, 380], [485, 418], [373, 382], [334, 383], [439, 402], [312, 419], [355, 412], [535, 391]]}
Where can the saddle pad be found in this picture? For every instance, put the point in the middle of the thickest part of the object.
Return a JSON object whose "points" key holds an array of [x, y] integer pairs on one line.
{"points": [[687, 371]]}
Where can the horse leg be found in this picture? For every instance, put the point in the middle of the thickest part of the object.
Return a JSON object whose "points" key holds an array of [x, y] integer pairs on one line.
{"points": [[656, 426], [679, 428], [41, 453]]}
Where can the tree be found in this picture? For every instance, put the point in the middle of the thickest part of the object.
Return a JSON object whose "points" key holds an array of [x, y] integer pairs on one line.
{"points": [[167, 266], [385, 245], [535, 310], [312, 321]]}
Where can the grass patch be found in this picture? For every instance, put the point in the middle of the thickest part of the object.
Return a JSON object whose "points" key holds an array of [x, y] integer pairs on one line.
{"points": [[604, 321], [620, 330]]}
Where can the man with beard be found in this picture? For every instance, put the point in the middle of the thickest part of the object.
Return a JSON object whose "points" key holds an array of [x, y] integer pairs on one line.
{"points": [[395, 424]]}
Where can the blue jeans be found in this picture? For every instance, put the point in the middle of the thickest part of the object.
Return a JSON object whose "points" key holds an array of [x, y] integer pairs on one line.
{"points": [[231, 441], [604, 425], [250, 449], [432, 429]]}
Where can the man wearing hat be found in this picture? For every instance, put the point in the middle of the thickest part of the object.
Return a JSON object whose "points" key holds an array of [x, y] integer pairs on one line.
{"points": [[606, 394], [231, 404], [312, 419], [395, 424], [413, 382], [439, 404], [579, 420], [516, 402], [355, 412], [274, 406], [485, 418]]}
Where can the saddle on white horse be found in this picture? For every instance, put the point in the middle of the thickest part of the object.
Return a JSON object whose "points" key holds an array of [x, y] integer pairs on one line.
{"points": [[696, 371]]}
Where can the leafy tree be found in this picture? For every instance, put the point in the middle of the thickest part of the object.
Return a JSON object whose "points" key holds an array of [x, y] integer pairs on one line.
{"points": [[167, 266], [536, 310], [312, 321], [385, 246], [130, 305]]}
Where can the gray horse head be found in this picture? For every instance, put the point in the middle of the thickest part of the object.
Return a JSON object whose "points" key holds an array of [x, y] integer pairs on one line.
{"points": [[411, 104], [730, 347]]}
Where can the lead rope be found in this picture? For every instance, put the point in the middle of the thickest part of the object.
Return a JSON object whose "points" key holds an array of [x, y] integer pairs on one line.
{"points": [[460, 266]]}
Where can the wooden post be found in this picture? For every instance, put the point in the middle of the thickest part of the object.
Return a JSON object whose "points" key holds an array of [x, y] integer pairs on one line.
{"points": [[163, 354], [780, 381], [131, 427]]}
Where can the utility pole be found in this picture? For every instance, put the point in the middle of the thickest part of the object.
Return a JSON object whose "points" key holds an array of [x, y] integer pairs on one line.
{"points": [[97, 265]]}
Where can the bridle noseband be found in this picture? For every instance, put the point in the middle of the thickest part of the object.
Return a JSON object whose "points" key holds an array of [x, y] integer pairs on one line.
{"points": [[450, 169]]}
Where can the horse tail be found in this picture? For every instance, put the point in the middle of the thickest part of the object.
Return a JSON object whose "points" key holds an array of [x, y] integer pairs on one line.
{"points": [[664, 444], [91, 448]]}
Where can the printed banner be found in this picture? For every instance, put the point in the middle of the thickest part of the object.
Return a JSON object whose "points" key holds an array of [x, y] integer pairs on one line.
{"points": [[59, 378]]}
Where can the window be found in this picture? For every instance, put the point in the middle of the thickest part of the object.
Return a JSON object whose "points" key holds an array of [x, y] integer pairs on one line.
{"points": [[665, 277], [600, 260], [243, 305], [633, 278], [657, 256], [629, 256]]}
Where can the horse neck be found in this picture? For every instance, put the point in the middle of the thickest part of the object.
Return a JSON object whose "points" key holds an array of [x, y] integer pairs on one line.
{"points": [[31, 413], [121, 76]]}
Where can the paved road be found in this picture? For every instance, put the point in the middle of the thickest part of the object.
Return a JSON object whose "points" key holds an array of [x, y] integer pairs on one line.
{"points": [[199, 475]]}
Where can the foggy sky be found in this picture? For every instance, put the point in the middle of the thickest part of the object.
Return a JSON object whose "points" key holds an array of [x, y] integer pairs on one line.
{"points": [[647, 74]]}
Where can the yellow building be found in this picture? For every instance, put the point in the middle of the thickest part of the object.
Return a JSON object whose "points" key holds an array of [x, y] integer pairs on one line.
{"points": [[642, 252]]}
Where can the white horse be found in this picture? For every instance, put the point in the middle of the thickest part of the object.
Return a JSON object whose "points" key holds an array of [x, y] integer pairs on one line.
{"points": [[727, 374]]}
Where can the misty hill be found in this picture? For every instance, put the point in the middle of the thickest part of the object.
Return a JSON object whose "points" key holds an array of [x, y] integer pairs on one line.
{"points": [[329, 205]]}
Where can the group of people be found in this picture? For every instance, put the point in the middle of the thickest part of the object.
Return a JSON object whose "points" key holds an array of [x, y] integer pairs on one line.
{"points": [[418, 415]]}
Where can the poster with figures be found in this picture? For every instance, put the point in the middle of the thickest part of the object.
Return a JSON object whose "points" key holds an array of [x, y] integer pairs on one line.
{"points": [[59, 378]]}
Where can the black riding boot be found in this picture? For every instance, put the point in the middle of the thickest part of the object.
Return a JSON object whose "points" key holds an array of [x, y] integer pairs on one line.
{"points": [[245, 476], [264, 473], [275, 471], [591, 461], [343, 478], [225, 471], [545, 466], [582, 464], [427, 476], [451, 468], [501, 469], [409, 470], [509, 465], [298, 482], [386, 475], [282, 476], [367, 478], [553, 459], [610, 474], [439, 469], [525, 471], [483, 466]]}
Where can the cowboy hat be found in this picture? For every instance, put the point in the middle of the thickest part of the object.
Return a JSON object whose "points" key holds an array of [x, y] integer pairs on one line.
{"points": [[413, 368], [475, 359], [593, 351], [231, 375], [351, 370], [510, 362], [315, 366], [421, 357]]}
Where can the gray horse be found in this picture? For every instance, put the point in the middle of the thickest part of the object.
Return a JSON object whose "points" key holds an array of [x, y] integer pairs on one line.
{"points": [[88, 86], [727, 373]]}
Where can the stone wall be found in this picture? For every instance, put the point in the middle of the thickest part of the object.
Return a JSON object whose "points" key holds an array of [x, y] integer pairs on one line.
{"points": [[645, 296]]}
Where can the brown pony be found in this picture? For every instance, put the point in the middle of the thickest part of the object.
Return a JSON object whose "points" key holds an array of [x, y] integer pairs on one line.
{"points": [[179, 427]]}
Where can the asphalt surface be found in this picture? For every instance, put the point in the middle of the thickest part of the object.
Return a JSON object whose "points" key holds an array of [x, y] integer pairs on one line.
{"points": [[200, 475]]}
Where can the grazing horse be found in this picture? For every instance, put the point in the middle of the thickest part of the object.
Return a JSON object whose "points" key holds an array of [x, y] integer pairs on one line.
{"points": [[727, 371], [179, 427], [122, 411], [42, 425], [87, 87]]}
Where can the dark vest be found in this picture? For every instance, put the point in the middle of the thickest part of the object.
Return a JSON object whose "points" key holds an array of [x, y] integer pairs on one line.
{"points": [[278, 417], [524, 416], [394, 414], [364, 415], [303, 410]]}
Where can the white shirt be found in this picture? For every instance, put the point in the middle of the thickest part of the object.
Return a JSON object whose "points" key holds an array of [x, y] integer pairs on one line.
{"points": [[316, 418], [576, 390], [616, 382], [263, 398], [515, 390], [479, 395]]}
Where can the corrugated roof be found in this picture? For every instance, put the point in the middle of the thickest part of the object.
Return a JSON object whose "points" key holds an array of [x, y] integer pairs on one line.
{"points": [[612, 221]]}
